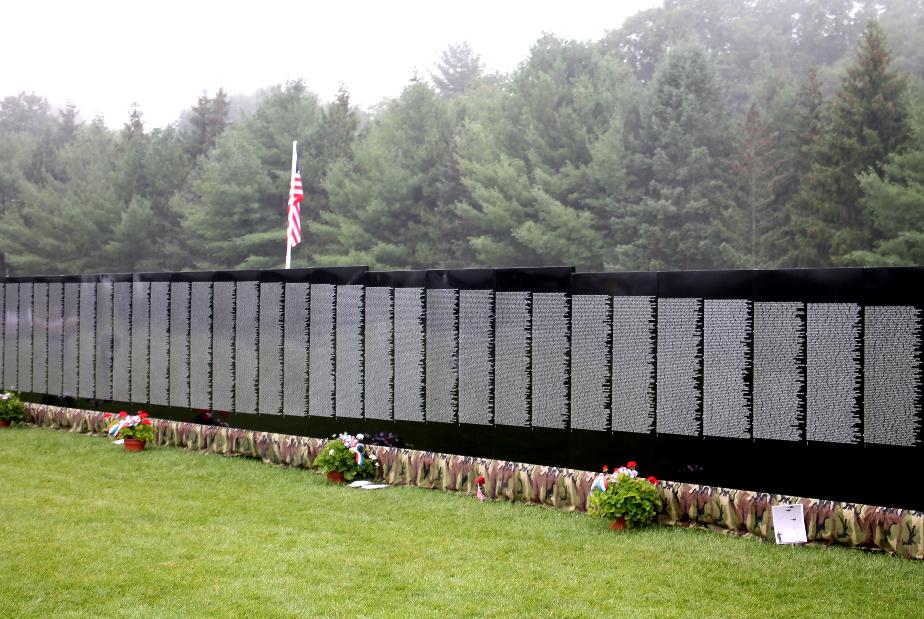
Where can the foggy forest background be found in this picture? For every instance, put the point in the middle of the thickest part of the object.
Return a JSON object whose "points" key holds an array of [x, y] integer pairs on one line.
{"points": [[703, 134]]}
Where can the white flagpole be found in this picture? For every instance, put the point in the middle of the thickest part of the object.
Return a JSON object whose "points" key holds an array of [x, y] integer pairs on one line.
{"points": [[289, 208]]}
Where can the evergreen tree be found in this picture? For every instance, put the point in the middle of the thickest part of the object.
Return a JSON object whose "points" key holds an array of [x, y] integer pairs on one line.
{"points": [[196, 133], [218, 115], [458, 69], [754, 225], [67, 125], [235, 208], [151, 170], [388, 205], [60, 227], [894, 202], [866, 122], [206, 121], [680, 169], [228, 216], [135, 125], [332, 141], [544, 165]]}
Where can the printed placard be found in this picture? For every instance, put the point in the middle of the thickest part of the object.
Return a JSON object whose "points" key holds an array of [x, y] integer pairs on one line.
{"points": [[789, 524]]}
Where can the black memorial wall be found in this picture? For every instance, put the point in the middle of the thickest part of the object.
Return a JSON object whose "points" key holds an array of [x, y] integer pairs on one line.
{"points": [[804, 382]]}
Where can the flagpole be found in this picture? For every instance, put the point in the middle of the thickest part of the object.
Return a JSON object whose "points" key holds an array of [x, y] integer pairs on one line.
{"points": [[289, 209]]}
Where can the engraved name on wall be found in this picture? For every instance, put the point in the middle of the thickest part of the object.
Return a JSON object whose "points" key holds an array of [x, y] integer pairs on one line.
{"points": [[40, 338], [179, 344], [409, 353], [441, 355], [121, 341], [633, 365], [727, 368], [296, 342], [200, 346], [104, 309], [833, 372], [591, 340], [55, 338], [476, 367], [892, 375], [512, 358], [246, 352], [679, 366], [379, 369], [223, 300], [321, 351], [159, 345], [24, 372], [271, 360], [779, 366], [551, 344], [349, 355], [141, 342], [11, 337]]}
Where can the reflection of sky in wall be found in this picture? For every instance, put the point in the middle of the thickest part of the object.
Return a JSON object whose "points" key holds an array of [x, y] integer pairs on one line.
{"points": [[103, 55]]}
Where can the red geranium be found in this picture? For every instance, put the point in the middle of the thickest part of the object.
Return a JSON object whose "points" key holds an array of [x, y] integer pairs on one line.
{"points": [[147, 422], [605, 468], [142, 414], [631, 464], [107, 415], [123, 415], [480, 480], [652, 479]]}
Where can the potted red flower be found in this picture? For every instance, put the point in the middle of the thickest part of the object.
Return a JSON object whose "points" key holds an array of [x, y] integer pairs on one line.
{"points": [[624, 498], [134, 431], [344, 459], [11, 409]]}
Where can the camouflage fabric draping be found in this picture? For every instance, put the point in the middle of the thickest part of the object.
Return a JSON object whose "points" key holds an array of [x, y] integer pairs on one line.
{"points": [[739, 512]]}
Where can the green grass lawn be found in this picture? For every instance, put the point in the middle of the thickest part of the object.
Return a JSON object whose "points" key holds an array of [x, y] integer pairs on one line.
{"points": [[89, 530]]}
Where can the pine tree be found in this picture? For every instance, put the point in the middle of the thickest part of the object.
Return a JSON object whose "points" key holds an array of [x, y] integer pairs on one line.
{"points": [[67, 125], [458, 69], [388, 207], [331, 142], [235, 208], [894, 202], [228, 215], [60, 227], [755, 224], [207, 120], [680, 169], [544, 165], [866, 122]]}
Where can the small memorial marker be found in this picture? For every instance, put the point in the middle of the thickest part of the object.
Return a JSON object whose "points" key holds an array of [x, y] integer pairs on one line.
{"points": [[789, 524]]}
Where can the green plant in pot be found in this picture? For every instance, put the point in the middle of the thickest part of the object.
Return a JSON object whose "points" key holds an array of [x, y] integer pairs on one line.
{"points": [[343, 458], [11, 408], [624, 498]]}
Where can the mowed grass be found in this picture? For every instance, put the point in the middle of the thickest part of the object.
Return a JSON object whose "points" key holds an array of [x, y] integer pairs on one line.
{"points": [[90, 531]]}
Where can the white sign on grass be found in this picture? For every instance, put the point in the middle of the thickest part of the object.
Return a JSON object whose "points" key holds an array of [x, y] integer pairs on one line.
{"points": [[789, 524]]}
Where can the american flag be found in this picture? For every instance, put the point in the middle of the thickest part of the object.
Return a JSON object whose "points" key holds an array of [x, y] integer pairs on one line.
{"points": [[296, 194]]}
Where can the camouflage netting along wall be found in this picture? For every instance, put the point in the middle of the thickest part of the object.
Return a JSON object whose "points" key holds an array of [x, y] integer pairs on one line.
{"points": [[740, 512]]}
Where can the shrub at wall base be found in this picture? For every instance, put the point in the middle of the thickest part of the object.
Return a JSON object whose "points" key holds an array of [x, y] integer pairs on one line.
{"points": [[625, 498], [11, 409], [343, 458]]}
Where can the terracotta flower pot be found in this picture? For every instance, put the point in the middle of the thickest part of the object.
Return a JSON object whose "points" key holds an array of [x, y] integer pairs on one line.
{"points": [[133, 444], [4, 423], [336, 477], [619, 524]]}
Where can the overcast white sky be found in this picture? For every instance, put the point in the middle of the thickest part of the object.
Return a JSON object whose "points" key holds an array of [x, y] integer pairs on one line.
{"points": [[104, 55]]}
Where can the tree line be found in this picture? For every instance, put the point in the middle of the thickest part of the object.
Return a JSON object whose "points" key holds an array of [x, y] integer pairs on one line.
{"points": [[702, 134]]}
